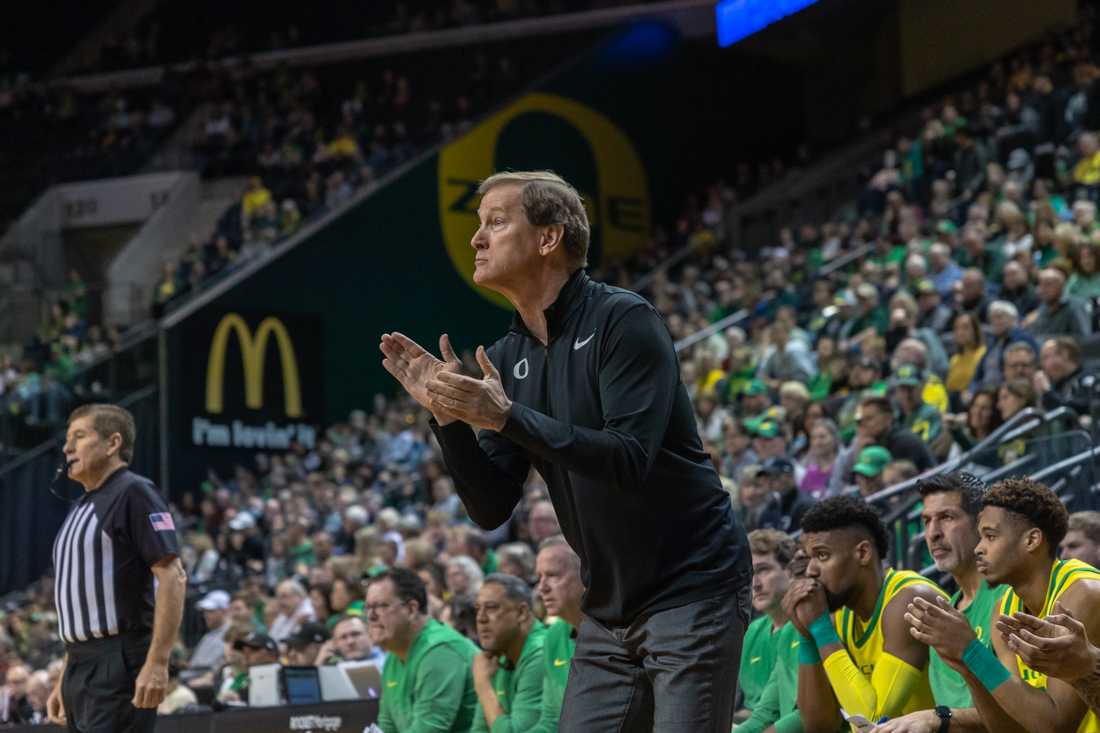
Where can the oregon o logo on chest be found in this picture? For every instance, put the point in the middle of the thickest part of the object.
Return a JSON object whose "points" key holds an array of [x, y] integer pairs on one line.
{"points": [[618, 208], [519, 371]]}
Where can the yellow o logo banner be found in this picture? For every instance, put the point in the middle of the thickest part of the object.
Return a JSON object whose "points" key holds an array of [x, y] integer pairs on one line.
{"points": [[620, 206]]}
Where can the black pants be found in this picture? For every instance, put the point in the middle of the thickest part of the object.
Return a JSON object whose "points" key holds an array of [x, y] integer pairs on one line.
{"points": [[672, 671], [99, 685]]}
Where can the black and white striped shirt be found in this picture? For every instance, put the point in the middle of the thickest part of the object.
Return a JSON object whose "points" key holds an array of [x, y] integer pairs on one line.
{"points": [[102, 557]]}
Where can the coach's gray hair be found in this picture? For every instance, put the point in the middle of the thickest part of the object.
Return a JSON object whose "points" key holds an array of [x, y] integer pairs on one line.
{"points": [[515, 589], [548, 199]]}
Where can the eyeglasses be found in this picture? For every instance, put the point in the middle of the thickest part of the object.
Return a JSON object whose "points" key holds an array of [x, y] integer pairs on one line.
{"points": [[380, 607]]}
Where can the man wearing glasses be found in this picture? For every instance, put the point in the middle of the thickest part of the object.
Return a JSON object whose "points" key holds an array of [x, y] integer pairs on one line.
{"points": [[427, 682]]}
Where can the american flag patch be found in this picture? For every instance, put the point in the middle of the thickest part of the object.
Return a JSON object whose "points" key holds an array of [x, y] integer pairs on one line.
{"points": [[162, 522]]}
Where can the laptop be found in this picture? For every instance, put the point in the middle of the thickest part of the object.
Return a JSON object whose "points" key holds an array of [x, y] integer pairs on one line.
{"points": [[302, 685]]}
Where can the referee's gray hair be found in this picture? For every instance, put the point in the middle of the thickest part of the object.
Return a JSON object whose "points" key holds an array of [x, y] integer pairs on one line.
{"points": [[515, 589], [1003, 306], [548, 199]]}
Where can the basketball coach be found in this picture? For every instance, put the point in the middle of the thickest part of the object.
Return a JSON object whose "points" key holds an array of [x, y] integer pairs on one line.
{"points": [[585, 387], [118, 537]]}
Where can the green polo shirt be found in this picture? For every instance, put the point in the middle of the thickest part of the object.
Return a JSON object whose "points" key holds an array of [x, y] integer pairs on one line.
{"points": [[489, 565], [558, 648], [519, 690], [778, 703], [948, 687], [757, 659], [433, 690]]}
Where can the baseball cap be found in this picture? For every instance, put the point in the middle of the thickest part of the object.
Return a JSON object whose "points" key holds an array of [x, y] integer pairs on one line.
{"points": [[766, 428], [754, 388], [924, 286], [242, 521], [257, 641], [867, 291], [775, 466], [872, 460], [946, 226], [310, 632], [215, 600], [845, 297], [907, 375]]}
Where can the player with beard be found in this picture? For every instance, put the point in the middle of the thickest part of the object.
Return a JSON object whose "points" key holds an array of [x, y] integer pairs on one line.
{"points": [[950, 516], [862, 659], [1020, 527]]}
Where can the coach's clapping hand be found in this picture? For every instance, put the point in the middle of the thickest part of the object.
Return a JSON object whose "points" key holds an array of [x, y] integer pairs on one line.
{"points": [[412, 366], [479, 402], [151, 685], [940, 626], [1057, 645]]}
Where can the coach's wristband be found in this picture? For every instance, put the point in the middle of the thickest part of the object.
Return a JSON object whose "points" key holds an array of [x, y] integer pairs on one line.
{"points": [[985, 665], [823, 631], [807, 651]]}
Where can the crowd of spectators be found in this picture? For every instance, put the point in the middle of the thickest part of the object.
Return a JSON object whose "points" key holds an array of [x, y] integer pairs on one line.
{"points": [[971, 302]]}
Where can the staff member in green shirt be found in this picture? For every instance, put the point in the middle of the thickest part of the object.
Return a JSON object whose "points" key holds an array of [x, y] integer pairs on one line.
{"points": [[950, 516], [560, 588], [427, 685], [772, 550], [777, 709], [509, 671]]}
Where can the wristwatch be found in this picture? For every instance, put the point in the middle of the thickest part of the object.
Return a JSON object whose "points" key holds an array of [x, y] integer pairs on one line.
{"points": [[944, 713]]}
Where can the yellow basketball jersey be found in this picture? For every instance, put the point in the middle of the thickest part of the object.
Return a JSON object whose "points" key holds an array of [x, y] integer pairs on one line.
{"points": [[1064, 574], [865, 643]]}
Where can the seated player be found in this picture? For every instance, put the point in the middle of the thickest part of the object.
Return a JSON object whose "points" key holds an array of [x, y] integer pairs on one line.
{"points": [[861, 661], [1021, 526]]}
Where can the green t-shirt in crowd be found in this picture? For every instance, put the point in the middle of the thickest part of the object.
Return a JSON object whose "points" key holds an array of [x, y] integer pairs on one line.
{"points": [[948, 687], [557, 651], [519, 690], [778, 703], [489, 566], [925, 421], [433, 690], [757, 659]]}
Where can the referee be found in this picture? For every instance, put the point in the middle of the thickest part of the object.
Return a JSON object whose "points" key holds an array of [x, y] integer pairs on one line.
{"points": [[118, 537], [585, 388]]}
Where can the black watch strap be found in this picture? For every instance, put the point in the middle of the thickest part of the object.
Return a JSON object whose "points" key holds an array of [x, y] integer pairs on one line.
{"points": [[945, 717]]}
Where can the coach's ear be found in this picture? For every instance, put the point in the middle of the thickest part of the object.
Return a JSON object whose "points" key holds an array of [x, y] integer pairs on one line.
{"points": [[551, 237]]}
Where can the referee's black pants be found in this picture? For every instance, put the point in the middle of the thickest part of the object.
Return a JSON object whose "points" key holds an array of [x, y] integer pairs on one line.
{"points": [[672, 671], [98, 686]]}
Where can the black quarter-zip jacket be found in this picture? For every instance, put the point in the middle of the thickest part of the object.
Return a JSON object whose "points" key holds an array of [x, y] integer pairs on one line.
{"points": [[601, 413]]}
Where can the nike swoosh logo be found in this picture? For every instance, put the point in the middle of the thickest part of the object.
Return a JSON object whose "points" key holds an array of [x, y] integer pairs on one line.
{"points": [[560, 662], [794, 645], [754, 660], [578, 344], [392, 683]]}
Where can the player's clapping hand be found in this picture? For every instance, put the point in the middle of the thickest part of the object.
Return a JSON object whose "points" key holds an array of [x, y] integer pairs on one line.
{"points": [[479, 402], [940, 626], [922, 721], [1057, 645]]}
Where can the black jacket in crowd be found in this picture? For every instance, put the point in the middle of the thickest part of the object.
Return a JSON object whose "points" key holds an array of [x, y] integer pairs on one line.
{"points": [[601, 413]]}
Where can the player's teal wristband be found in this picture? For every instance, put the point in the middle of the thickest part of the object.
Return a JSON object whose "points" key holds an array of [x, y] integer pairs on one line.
{"points": [[985, 665], [807, 651], [823, 631]]}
